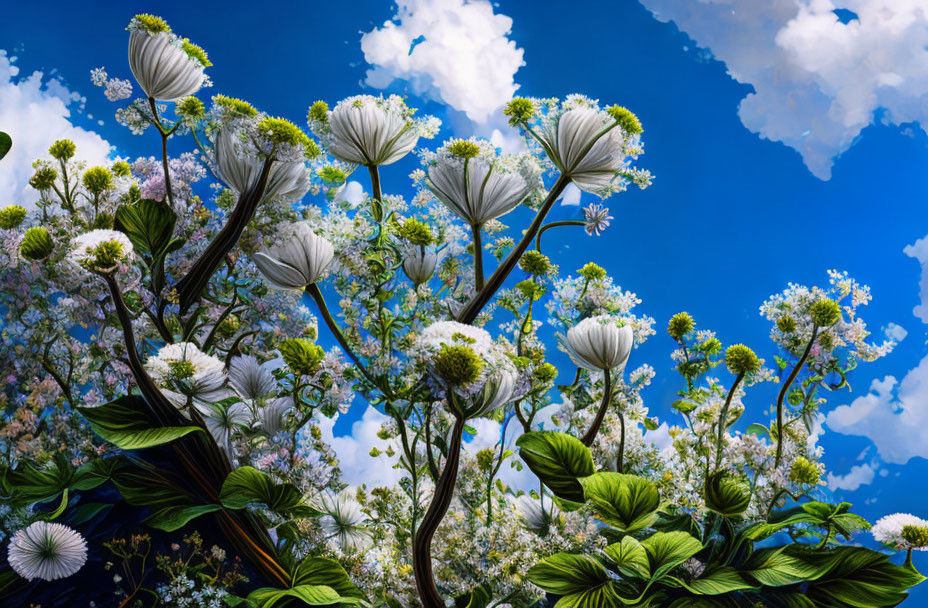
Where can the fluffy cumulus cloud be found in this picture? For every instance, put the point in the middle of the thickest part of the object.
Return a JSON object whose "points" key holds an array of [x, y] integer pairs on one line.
{"points": [[353, 451], [859, 475], [36, 111], [818, 78], [919, 251], [456, 52]]}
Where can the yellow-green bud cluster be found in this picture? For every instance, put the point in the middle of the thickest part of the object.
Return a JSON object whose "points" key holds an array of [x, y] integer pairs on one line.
{"points": [[229, 326], [741, 360], [43, 179], [592, 272], [235, 107], [825, 312], [485, 458], [535, 263], [519, 110], [545, 373], [190, 107], [463, 148], [712, 346], [530, 289], [301, 356], [37, 244], [105, 255], [786, 324], [196, 53], [282, 131], [332, 175], [458, 365], [804, 472], [680, 324], [122, 169], [915, 536], [63, 149], [12, 216], [416, 232], [98, 180], [318, 112], [626, 119], [151, 23]]}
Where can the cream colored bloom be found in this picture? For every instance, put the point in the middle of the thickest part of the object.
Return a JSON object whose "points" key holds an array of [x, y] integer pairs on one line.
{"points": [[301, 258], [599, 343], [47, 551], [162, 67]]}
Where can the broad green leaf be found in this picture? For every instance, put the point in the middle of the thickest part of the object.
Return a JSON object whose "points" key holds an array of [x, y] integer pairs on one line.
{"points": [[718, 582], [314, 595], [775, 568], [726, 495], [626, 502], [631, 559], [6, 142], [566, 574], [83, 513], [480, 597], [28, 483], [150, 488], [667, 550], [815, 513], [328, 572], [125, 423], [704, 602], [149, 224], [559, 460], [246, 485], [176, 517]]}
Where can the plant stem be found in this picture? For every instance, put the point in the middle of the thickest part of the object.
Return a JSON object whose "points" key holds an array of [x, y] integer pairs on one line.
{"points": [[785, 389], [590, 435], [723, 419], [164, 150], [478, 257], [620, 459], [555, 225], [473, 308], [441, 500]]}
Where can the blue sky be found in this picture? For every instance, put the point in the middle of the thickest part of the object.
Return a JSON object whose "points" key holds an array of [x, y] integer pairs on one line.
{"points": [[744, 112]]}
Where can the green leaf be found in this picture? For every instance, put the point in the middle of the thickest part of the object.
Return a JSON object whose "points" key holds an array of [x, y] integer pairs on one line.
{"points": [[626, 502], [6, 142], [774, 568], [83, 513], [149, 224], [150, 488], [314, 595], [246, 485], [667, 550], [559, 460], [629, 557], [718, 582], [125, 423], [814, 513], [726, 495], [582, 581], [175, 517], [328, 572], [480, 597]]}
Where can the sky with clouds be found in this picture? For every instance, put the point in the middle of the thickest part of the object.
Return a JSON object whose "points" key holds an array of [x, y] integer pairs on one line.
{"points": [[786, 137]]}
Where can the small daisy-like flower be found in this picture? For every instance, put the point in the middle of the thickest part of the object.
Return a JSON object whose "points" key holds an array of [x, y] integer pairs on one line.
{"points": [[597, 218], [344, 522], [902, 531], [100, 250], [47, 551]]}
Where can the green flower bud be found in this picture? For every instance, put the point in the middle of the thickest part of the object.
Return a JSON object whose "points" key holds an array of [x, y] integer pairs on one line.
{"points": [[122, 169], [98, 180], [916, 536], [332, 175], [535, 263], [626, 119], [63, 149], [804, 472], [680, 324], [282, 131], [301, 356], [37, 244], [151, 23], [592, 272], [43, 179], [741, 360], [825, 313], [795, 396], [519, 110], [712, 346], [235, 107], [105, 255], [12, 216], [196, 53], [786, 324], [229, 326], [463, 148], [416, 232], [374, 453], [181, 370], [530, 289], [458, 365], [545, 373], [318, 112], [190, 107], [485, 458]]}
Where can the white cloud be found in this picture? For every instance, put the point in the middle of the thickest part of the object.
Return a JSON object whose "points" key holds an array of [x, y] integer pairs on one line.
{"points": [[894, 415], [896, 332], [817, 81], [457, 52], [919, 251], [571, 196], [36, 112], [353, 451], [859, 475]]}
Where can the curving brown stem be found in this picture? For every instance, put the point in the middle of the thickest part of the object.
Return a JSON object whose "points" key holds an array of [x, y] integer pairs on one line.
{"points": [[478, 257], [496, 280], [785, 389], [441, 500], [590, 435], [191, 286]]}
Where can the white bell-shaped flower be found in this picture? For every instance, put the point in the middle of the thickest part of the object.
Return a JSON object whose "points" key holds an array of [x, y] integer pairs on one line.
{"points": [[301, 258], [599, 343], [240, 170], [165, 66], [419, 263]]}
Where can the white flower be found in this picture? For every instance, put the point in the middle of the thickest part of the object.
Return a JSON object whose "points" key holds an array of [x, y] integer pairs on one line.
{"points": [[47, 551], [271, 417], [582, 147], [240, 168], [344, 522], [249, 379], [185, 368], [161, 64], [86, 250], [889, 530], [599, 343], [301, 258], [368, 130], [476, 189], [222, 421], [537, 518], [419, 263]]}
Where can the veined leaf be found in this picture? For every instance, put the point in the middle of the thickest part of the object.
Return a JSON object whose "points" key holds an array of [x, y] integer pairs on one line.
{"points": [[6, 142], [718, 582], [149, 224], [176, 517], [559, 460], [566, 574], [726, 495], [631, 559], [246, 485], [667, 550], [626, 502], [328, 572], [125, 423], [314, 595]]}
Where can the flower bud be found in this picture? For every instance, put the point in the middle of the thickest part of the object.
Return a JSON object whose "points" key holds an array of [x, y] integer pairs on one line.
{"points": [[626, 119], [804, 472], [680, 324], [43, 179], [825, 313], [741, 360], [121, 169], [545, 373], [98, 180], [12, 216], [318, 112], [519, 110], [592, 272], [301, 356], [535, 263], [190, 107], [416, 232], [458, 365], [235, 108], [37, 244], [63, 149], [786, 324]]}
